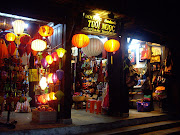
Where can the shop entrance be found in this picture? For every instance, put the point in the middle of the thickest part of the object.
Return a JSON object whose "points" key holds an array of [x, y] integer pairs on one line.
{"points": [[146, 72]]}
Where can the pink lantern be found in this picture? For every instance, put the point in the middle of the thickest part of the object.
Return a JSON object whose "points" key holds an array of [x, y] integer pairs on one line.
{"points": [[54, 77], [54, 56], [44, 63]]}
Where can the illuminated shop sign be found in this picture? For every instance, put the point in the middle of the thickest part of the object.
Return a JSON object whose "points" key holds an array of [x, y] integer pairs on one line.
{"points": [[96, 25]]}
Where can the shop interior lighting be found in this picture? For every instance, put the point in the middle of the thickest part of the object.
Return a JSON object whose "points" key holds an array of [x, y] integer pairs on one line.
{"points": [[134, 44], [21, 17]]}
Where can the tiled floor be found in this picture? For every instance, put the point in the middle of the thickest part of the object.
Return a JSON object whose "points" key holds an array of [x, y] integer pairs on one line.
{"points": [[79, 117]]}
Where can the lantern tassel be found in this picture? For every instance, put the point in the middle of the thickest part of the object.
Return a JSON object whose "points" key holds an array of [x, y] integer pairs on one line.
{"points": [[59, 107], [111, 59]]}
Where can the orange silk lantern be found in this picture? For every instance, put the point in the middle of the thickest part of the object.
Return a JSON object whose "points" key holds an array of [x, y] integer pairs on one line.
{"points": [[46, 97], [3, 51], [46, 31], [49, 59], [10, 36], [52, 96], [42, 100], [111, 45], [80, 40]]}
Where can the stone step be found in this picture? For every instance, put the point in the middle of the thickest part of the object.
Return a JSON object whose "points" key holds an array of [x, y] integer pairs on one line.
{"points": [[162, 127]]}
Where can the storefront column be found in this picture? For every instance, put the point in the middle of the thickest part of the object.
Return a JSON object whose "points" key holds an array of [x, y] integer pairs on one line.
{"points": [[118, 94]]}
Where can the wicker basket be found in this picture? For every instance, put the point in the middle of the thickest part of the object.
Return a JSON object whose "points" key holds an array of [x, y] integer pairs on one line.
{"points": [[78, 98]]}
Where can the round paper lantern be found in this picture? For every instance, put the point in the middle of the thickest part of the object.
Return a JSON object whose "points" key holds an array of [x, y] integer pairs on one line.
{"points": [[42, 100], [46, 31], [60, 74], [46, 97], [18, 26], [25, 39], [43, 83], [50, 78], [38, 45], [94, 48], [52, 96], [111, 45], [44, 63], [80, 40], [60, 52], [49, 59], [54, 77], [10, 36], [55, 56]]}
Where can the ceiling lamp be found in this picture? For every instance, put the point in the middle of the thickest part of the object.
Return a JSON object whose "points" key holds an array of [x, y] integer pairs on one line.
{"points": [[38, 45], [60, 52], [80, 40], [46, 31], [18, 26]]}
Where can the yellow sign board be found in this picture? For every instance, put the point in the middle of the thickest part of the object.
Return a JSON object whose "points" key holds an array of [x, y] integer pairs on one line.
{"points": [[33, 75]]}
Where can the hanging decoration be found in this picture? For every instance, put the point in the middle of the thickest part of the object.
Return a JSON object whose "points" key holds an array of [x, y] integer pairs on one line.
{"points": [[94, 48], [60, 74], [80, 40], [25, 39], [43, 83], [50, 78], [38, 45], [49, 59], [11, 48], [55, 56], [111, 45], [60, 52], [46, 31], [10, 36], [44, 63], [18, 26], [3, 51], [54, 78], [52, 96]]}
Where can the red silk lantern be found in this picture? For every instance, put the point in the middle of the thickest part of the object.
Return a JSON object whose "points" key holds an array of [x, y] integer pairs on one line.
{"points": [[46, 31], [54, 78], [10, 36], [80, 40], [111, 45], [54, 56], [46, 97], [3, 51], [49, 59], [11, 48], [25, 39]]}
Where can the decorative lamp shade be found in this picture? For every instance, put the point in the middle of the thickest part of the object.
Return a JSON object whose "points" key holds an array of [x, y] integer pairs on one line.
{"points": [[94, 48], [80, 40], [18, 26], [10, 36], [43, 83], [49, 59], [38, 45], [25, 39], [50, 78], [55, 56], [46, 31], [11, 48], [60, 74], [42, 100], [52, 96], [44, 63], [54, 77], [60, 52], [46, 97], [111, 45]]}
